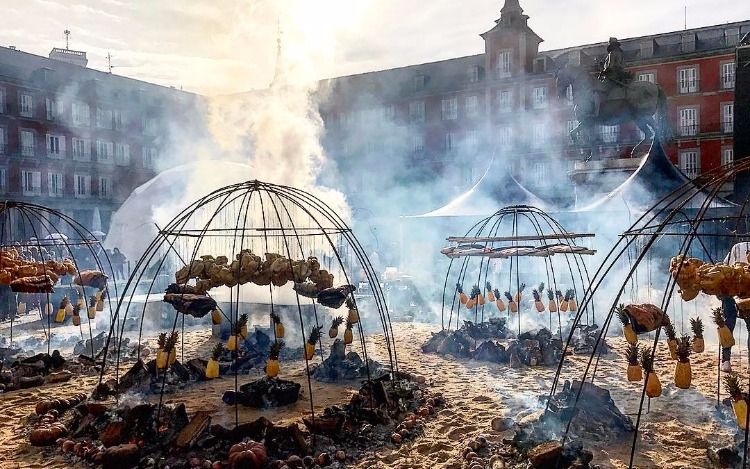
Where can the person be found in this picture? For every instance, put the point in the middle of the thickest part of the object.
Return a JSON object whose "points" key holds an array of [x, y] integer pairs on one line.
{"points": [[613, 72], [118, 263]]}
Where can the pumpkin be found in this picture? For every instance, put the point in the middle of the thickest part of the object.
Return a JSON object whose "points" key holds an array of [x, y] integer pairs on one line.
{"points": [[47, 434], [247, 455]]}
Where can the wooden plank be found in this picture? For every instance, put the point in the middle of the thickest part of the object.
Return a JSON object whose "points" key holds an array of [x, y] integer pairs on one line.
{"points": [[197, 425], [492, 239]]}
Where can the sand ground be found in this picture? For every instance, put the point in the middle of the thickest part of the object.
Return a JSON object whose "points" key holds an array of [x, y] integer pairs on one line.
{"points": [[675, 432]]}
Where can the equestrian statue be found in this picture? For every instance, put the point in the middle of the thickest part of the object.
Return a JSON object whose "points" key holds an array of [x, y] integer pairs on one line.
{"points": [[614, 98]]}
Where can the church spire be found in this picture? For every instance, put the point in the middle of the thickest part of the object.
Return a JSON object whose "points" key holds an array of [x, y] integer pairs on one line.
{"points": [[512, 13]]}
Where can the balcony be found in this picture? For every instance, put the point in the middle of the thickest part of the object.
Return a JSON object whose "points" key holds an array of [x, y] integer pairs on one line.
{"points": [[727, 127], [688, 86], [688, 130], [28, 150], [726, 82]]}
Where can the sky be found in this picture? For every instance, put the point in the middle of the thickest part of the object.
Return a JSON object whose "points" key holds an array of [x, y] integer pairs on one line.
{"points": [[228, 46]]}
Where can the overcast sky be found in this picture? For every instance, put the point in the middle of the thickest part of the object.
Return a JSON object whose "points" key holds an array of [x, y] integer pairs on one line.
{"points": [[224, 46]]}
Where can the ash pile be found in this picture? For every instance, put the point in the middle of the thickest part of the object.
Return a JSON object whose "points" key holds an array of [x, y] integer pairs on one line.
{"points": [[42, 368], [263, 393], [146, 377], [95, 346], [345, 366]]}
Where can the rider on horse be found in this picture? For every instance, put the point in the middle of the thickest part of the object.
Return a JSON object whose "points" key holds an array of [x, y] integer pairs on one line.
{"points": [[613, 73]]}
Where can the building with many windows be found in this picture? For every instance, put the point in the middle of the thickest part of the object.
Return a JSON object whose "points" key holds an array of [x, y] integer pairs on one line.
{"points": [[79, 140], [444, 121]]}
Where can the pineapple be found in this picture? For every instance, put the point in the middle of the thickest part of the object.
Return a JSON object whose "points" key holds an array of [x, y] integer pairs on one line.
{"points": [[348, 333], [76, 315], [552, 306], [278, 326], [490, 294], [519, 293], [559, 295], [671, 340], [272, 365], [334, 330], [162, 356], [216, 316], [92, 307], [571, 297], [739, 401], [683, 374], [726, 339], [499, 301], [537, 300], [512, 305], [461, 295], [632, 353], [699, 344], [171, 347], [627, 328], [243, 326], [565, 303], [353, 314], [472, 301], [60, 317], [212, 369], [234, 337], [653, 385], [477, 292], [311, 341]]}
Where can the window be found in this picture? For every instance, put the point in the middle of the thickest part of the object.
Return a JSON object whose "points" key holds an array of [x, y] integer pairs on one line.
{"points": [[539, 95], [31, 182], [81, 149], [103, 118], [451, 141], [503, 64], [688, 80], [54, 109], [27, 143], [25, 105], [727, 75], [104, 152], [387, 114], [118, 119], [539, 135], [471, 139], [418, 82], [540, 173], [149, 157], [3, 180], [416, 111], [727, 117], [55, 146], [569, 126], [647, 76], [689, 163], [418, 143], [689, 121], [3, 140], [122, 154], [81, 114], [474, 74], [647, 49], [472, 105], [82, 185], [149, 126], [56, 184], [504, 101], [727, 156], [504, 137], [610, 133], [569, 95], [105, 187], [450, 109], [2, 101]]}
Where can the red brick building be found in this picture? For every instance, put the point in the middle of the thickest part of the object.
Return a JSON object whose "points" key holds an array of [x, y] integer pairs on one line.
{"points": [[437, 125], [79, 140]]}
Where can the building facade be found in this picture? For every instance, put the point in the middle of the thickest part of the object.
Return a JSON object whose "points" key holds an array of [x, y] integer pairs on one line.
{"points": [[444, 121], [79, 140]]}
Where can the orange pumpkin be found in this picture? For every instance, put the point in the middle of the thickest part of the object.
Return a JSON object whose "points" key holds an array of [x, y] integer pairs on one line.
{"points": [[247, 455]]}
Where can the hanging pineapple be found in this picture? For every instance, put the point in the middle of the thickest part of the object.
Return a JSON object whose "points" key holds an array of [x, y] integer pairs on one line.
{"points": [[461, 295], [212, 369], [353, 315], [92, 307], [699, 345], [671, 340], [627, 327], [480, 297], [512, 305], [726, 339], [334, 329], [572, 304], [171, 347], [100, 300], [278, 326], [348, 333], [234, 337], [560, 296], [537, 300], [162, 356], [60, 317], [499, 301], [552, 306], [311, 341], [272, 365], [243, 326], [216, 317], [632, 353], [490, 294], [565, 303], [69, 308], [653, 385], [739, 399], [76, 315], [683, 374], [519, 294]]}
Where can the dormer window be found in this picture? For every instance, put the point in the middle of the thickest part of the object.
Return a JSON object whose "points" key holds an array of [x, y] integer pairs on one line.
{"points": [[503, 64], [732, 36], [418, 81], [647, 49], [540, 65], [474, 74]]}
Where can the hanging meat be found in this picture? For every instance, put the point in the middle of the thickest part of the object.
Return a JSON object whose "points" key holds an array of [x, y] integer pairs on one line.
{"points": [[193, 305]]}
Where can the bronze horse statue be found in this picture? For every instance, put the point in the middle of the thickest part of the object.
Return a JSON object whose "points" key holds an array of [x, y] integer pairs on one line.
{"points": [[637, 101]]}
